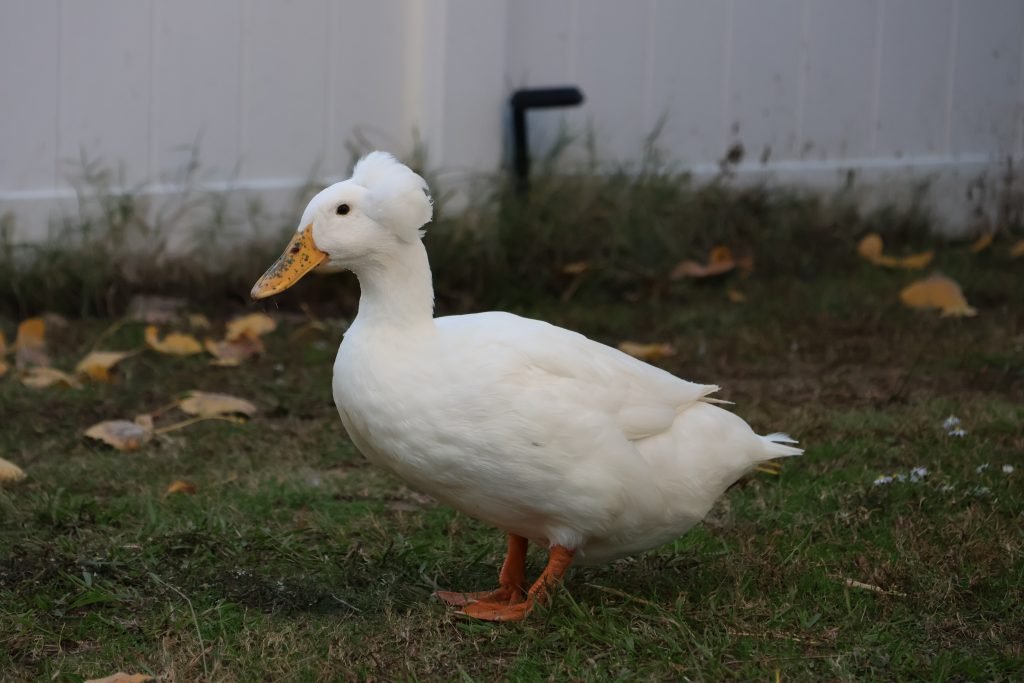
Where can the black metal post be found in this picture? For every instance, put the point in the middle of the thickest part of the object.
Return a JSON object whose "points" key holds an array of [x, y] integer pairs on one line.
{"points": [[534, 98]]}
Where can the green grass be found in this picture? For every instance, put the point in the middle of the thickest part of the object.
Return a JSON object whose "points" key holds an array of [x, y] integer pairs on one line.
{"points": [[296, 560]]}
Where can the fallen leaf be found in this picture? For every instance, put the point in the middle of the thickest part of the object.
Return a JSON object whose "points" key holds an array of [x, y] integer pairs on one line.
{"points": [[198, 321], [937, 291], [121, 434], [31, 332], [3, 368], [735, 296], [649, 352], [576, 268], [231, 352], [252, 325], [180, 486], [207, 404], [870, 248], [97, 364], [122, 677], [1017, 250], [41, 378], [145, 421], [982, 243], [175, 343], [30, 344], [10, 473], [720, 261]]}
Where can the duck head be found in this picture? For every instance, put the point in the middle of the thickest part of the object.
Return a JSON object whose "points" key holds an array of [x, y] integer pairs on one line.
{"points": [[353, 223]]}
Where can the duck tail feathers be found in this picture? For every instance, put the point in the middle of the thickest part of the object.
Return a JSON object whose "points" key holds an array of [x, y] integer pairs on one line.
{"points": [[775, 446]]}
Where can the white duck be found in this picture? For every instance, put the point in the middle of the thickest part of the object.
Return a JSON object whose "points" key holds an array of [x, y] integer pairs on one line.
{"points": [[531, 428]]}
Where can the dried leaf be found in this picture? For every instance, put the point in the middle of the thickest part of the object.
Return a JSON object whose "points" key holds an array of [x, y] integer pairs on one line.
{"points": [[97, 364], [41, 378], [982, 243], [912, 262], [10, 473], [252, 325], [121, 434], [175, 343], [231, 352], [198, 321], [31, 332], [720, 261], [180, 486], [648, 352], [870, 248], [1017, 250], [30, 344], [122, 677], [4, 367], [576, 268], [207, 404], [735, 296], [937, 291]]}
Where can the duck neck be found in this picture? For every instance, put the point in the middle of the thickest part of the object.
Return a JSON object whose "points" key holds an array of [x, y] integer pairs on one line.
{"points": [[397, 291]]}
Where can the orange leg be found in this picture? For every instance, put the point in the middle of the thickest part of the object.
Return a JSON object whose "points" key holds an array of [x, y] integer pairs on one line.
{"points": [[559, 560], [512, 580]]}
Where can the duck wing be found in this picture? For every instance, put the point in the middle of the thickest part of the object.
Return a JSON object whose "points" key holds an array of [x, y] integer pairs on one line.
{"points": [[561, 367]]}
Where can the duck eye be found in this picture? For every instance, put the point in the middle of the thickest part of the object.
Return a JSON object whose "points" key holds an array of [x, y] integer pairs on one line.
{"points": [[342, 209]]}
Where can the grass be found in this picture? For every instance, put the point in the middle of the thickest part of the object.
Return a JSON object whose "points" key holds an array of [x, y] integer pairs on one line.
{"points": [[295, 560], [630, 223]]}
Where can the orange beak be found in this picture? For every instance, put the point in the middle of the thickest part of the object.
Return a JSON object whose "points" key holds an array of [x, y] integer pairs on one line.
{"points": [[299, 257]]}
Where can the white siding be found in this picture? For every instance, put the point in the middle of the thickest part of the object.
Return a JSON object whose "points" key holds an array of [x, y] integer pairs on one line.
{"points": [[273, 90]]}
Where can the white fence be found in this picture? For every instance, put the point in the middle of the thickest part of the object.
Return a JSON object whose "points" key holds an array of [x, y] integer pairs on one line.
{"points": [[272, 89]]}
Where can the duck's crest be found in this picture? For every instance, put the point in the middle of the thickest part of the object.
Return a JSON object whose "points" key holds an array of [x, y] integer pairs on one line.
{"points": [[398, 196]]}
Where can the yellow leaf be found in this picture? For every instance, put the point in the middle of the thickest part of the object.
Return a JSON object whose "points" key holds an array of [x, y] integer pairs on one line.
{"points": [[735, 296], [30, 344], [31, 332], [198, 321], [1017, 250], [180, 486], [121, 434], [649, 352], [41, 378], [720, 261], [10, 473], [913, 262], [207, 404], [870, 248], [720, 254], [982, 242], [576, 268], [937, 291], [175, 343], [252, 325], [231, 352], [97, 364], [121, 677]]}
